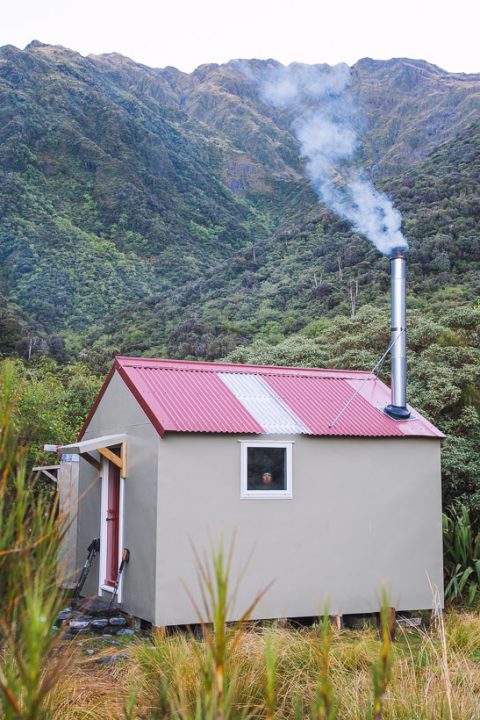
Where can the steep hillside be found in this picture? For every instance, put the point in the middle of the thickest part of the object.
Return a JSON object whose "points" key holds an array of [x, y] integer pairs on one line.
{"points": [[100, 195], [411, 107], [310, 269], [151, 211]]}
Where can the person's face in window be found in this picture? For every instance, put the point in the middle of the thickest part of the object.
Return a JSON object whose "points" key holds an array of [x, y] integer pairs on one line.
{"points": [[267, 478]]}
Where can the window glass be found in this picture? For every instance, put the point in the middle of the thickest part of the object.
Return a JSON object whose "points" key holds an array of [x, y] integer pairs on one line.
{"points": [[266, 468]]}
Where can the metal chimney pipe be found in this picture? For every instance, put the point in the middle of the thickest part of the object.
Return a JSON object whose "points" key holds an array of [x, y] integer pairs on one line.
{"points": [[398, 407]]}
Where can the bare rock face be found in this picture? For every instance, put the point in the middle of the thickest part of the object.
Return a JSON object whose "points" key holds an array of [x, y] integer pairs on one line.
{"points": [[411, 108]]}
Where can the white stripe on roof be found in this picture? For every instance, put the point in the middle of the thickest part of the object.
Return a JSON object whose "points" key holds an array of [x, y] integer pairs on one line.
{"points": [[261, 401]]}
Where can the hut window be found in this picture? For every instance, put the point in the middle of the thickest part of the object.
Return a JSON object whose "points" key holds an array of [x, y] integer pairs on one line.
{"points": [[266, 470]]}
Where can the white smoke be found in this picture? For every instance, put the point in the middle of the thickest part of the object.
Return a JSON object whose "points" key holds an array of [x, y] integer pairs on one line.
{"points": [[324, 122]]}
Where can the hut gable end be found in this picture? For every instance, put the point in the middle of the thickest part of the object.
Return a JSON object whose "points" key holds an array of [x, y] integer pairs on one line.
{"points": [[115, 409]]}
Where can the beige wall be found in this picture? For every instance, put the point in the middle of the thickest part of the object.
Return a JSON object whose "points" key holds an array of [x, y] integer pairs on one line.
{"points": [[119, 412], [365, 512]]}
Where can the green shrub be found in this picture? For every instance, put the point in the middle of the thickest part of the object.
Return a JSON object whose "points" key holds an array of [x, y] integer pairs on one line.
{"points": [[461, 543]]}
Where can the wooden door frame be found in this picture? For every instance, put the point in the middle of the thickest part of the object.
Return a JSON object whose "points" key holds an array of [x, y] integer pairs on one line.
{"points": [[102, 565]]}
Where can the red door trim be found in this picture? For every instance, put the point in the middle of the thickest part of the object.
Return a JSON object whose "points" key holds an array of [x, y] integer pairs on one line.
{"points": [[113, 525]]}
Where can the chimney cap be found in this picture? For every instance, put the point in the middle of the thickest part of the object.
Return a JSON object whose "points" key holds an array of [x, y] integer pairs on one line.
{"points": [[398, 252]]}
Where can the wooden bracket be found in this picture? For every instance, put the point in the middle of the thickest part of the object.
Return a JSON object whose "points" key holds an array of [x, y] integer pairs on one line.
{"points": [[107, 453], [120, 462]]}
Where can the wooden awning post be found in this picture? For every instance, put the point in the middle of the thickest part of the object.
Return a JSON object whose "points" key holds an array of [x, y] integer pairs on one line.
{"points": [[123, 456]]}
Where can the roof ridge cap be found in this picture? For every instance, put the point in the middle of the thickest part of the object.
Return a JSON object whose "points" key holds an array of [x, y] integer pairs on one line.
{"points": [[212, 366], [287, 372]]}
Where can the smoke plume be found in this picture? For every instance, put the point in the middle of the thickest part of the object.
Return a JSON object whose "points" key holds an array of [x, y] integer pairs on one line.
{"points": [[324, 121]]}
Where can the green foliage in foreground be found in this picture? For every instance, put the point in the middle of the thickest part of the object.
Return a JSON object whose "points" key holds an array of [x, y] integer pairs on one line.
{"points": [[51, 402], [30, 535], [461, 548], [422, 676]]}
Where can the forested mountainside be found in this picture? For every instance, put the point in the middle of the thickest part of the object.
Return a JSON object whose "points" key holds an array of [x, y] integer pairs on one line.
{"points": [[315, 267], [147, 211], [152, 211]]}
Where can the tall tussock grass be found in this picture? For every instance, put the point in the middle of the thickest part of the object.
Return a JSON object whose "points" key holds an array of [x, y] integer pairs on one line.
{"points": [[31, 531], [273, 672], [417, 688]]}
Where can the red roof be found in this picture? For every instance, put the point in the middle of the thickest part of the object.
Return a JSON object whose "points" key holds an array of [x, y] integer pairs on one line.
{"points": [[180, 396]]}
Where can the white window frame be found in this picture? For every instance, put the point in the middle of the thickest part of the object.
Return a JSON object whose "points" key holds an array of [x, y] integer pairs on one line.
{"points": [[245, 493], [102, 565]]}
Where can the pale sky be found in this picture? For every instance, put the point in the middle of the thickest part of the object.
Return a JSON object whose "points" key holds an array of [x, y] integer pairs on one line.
{"points": [[187, 33]]}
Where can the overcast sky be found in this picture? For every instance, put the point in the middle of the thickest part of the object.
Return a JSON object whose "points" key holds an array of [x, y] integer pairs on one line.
{"points": [[187, 33]]}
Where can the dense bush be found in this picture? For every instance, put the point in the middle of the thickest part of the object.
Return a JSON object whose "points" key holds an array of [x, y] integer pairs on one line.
{"points": [[51, 402], [443, 375]]}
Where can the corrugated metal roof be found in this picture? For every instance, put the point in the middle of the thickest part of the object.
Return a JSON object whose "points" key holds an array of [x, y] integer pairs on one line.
{"points": [[376, 393], [181, 396], [263, 404], [319, 402], [190, 401]]}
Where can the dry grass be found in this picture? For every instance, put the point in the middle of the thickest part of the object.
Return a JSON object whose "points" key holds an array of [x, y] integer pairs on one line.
{"points": [[88, 689], [169, 675]]}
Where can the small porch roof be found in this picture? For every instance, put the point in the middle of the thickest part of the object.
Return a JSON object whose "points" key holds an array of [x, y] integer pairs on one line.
{"points": [[101, 444], [86, 446]]}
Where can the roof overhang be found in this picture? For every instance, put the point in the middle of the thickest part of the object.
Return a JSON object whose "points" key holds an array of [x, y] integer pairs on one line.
{"points": [[102, 446]]}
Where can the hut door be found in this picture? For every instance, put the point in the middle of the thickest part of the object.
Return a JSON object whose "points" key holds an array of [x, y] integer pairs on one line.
{"points": [[113, 524]]}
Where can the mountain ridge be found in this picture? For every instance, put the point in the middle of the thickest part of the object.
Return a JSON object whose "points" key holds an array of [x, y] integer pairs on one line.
{"points": [[122, 185]]}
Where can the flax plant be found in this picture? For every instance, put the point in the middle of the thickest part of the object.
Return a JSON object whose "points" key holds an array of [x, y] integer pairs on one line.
{"points": [[461, 547], [31, 531]]}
